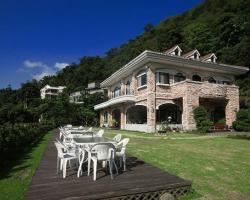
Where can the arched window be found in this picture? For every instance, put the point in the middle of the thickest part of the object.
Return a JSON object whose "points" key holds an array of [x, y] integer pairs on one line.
{"points": [[142, 78], [116, 92], [179, 77], [128, 88], [196, 56], [211, 80], [196, 78]]}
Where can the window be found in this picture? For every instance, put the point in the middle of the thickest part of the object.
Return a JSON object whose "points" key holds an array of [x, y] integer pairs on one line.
{"points": [[142, 79], [179, 77], [162, 78], [196, 78], [226, 83], [128, 88], [116, 92], [211, 80], [196, 56]]}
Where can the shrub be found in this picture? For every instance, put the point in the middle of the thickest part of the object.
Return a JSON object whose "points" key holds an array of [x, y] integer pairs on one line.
{"points": [[203, 124], [242, 122], [18, 137]]}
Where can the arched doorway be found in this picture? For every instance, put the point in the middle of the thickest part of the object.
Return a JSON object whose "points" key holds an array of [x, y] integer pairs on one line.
{"points": [[116, 118], [169, 113], [136, 115]]}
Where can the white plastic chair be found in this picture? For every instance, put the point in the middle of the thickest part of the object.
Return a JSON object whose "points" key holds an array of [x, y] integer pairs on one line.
{"points": [[89, 130], [122, 153], [118, 138], [103, 152], [100, 133], [63, 158]]}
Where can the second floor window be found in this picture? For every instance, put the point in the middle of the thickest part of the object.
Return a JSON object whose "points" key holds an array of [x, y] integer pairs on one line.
{"points": [[128, 88], [196, 78], [142, 79], [162, 78], [116, 92], [179, 77], [211, 80]]}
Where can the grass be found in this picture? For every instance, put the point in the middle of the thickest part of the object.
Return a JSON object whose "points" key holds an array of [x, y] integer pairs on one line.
{"points": [[217, 165], [15, 179]]}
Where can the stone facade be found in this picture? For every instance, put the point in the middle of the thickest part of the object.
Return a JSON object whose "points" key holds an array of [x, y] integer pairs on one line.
{"points": [[154, 98]]}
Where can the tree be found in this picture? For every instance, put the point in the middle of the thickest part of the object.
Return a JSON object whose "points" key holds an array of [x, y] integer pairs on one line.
{"points": [[148, 27], [203, 124]]}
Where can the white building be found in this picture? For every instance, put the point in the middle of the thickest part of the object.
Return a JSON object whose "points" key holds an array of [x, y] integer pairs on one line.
{"points": [[76, 97], [51, 92], [94, 88]]}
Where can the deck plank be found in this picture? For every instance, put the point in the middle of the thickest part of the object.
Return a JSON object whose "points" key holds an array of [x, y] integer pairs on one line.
{"points": [[140, 177]]}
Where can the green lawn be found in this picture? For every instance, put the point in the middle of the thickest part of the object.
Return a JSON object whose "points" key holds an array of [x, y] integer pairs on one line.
{"points": [[218, 166], [15, 180]]}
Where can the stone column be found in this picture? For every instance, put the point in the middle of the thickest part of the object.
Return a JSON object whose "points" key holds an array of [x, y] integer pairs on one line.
{"points": [[109, 93], [109, 117], [101, 118], [133, 84], [190, 101], [232, 106], [122, 87], [123, 117], [151, 111]]}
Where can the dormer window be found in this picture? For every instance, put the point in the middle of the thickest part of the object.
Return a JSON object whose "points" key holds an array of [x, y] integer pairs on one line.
{"points": [[194, 54], [174, 51], [209, 58]]}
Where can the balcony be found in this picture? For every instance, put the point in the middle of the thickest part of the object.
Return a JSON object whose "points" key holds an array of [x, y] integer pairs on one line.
{"points": [[114, 101]]}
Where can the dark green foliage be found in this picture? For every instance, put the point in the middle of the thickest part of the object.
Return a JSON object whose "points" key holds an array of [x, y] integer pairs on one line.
{"points": [[242, 122], [203, 124], [18, 137]]}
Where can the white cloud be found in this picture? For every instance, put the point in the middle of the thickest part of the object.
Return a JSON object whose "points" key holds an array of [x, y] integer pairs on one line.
{"points": [[46, 72], [34, 64], [60, 66]]}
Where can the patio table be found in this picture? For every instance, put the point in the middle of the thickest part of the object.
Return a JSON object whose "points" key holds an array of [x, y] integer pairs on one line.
{"points": [[85, 144]]}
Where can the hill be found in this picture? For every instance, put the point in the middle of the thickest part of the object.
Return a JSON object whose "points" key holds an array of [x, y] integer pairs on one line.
{"points": [[220, 26]]}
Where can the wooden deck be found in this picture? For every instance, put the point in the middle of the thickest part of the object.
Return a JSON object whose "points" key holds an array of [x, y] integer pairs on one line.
{"points": [[140, 181]]}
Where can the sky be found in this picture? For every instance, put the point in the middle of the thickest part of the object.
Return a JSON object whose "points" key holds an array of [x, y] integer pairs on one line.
{"points": [[40, 37]]}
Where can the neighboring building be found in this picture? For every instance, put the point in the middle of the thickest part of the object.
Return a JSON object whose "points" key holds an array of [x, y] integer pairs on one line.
{"points": [[156, 87], [76, 97], [93, 88], [51, 92]]}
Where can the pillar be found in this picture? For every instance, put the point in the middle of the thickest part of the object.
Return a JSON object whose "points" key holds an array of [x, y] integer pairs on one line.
{"points": [[123, 117], [232, 106], [190, 101], [151, 111]]}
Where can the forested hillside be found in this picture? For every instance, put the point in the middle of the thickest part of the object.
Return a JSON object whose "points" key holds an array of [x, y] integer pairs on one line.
{"points": [[220, 26]]}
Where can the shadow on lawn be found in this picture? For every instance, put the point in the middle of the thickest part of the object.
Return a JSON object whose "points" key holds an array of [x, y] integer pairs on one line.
{"points": [[11, 162]]}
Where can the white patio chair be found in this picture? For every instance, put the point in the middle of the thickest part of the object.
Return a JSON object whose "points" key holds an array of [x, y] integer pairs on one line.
{"points": [[103, 152], [118, 138], [121, 152], [64, 158], [100, 133], [89, 130]]}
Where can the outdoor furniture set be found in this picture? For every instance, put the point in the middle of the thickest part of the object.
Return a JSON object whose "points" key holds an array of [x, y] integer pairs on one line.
{"points": [[79, 146]]}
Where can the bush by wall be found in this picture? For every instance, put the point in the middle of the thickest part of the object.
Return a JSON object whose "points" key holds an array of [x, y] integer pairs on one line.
{"points": [[203, 124], [242, 122]]}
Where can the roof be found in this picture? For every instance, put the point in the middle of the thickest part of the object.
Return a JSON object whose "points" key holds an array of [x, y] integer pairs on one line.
{"points": [[173, 49], [190, 53], [156, 57], [208, 56]]}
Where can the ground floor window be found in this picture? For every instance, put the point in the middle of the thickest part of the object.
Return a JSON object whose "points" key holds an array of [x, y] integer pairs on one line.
{"points": [[169, 113], [136, 115]]}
